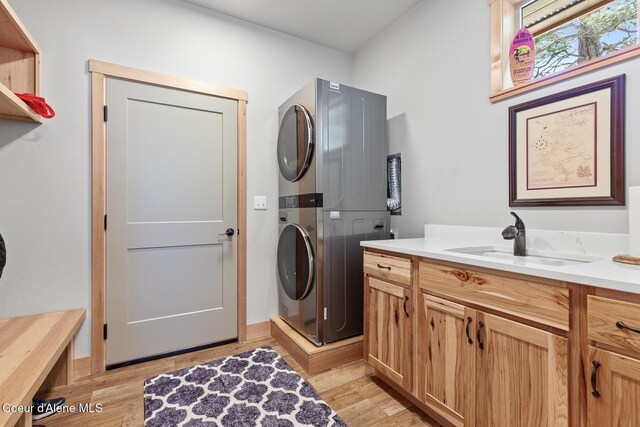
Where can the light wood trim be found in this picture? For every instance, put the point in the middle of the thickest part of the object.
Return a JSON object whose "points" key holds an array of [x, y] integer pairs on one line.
{"points": [[398, 269], [160, 79], [522, 298], [242, 221], [386, 287], [502, 12], [99, 71], [603, 315], [98, 210], [257, 331], [31, 349]]}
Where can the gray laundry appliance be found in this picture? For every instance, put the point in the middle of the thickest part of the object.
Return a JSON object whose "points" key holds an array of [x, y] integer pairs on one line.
{"points": [[332, 156]]}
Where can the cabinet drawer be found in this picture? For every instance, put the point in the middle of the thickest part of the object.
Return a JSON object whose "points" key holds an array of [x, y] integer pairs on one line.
{"points": [[388, 267], [540, 303], [610, 320]]}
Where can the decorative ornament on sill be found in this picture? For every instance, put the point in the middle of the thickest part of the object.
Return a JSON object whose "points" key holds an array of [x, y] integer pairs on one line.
{"points": [[522, 55]]}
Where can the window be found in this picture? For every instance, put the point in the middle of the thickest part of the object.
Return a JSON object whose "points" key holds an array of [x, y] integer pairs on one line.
{"points": [[564, 42], [571, 36]]}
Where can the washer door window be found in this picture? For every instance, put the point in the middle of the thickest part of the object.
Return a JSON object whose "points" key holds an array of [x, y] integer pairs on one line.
{"points": [[295, 262], [295, 143]]}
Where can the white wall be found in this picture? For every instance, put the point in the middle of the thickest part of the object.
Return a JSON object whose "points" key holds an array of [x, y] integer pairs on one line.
{"points": [[45, 180], [433, 64]]}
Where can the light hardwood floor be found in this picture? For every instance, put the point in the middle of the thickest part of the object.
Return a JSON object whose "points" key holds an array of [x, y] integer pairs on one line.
{"points": [[355, 394]]}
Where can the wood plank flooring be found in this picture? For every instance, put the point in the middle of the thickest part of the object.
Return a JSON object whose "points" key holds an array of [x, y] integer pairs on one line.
{"points": [[355, 394]]}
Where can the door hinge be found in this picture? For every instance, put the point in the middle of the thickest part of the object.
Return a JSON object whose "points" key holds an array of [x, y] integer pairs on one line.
{"points": [[325, 313], [105, 222], [105, 113], [104, 331]]}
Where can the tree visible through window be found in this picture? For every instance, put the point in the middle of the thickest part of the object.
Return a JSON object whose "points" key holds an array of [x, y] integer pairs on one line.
{"points": [[592, 35]]}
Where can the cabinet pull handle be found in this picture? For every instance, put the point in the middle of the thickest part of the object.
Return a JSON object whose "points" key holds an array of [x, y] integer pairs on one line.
{"points": [[480, 343], [406, 298], [384, 267], [469, 320], [620, 324], [594, 379]]}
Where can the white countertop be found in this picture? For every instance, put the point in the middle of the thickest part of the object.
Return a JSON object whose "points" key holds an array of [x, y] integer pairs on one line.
{"points": [[603, 272]]}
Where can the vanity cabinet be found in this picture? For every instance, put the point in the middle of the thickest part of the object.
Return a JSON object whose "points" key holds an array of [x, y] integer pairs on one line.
{"points": [[388, 316], [446, 356], [480, 369], [521, 375], [510, 373], [388, 330], [614, 389], [487, 349], [614, 362]]}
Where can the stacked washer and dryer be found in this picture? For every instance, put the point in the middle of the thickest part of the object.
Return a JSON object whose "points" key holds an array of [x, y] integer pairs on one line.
{"points": [[332, 155]]}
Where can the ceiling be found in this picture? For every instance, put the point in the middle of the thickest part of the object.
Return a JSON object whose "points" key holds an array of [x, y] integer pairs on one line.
{"points": [[340, 24]]}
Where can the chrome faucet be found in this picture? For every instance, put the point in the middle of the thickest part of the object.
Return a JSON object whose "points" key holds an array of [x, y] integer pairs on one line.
{"points": [[518, 234]]}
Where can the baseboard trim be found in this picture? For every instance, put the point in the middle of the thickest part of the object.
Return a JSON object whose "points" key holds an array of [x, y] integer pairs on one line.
{"points": [[82, 367], [260, 330]]}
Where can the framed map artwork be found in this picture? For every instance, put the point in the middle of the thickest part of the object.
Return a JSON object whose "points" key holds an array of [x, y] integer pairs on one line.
{"points": [[567, 149]]}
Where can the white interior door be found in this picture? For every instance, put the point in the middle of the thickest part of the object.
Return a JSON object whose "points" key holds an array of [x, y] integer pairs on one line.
{"points": [[171, 196]]}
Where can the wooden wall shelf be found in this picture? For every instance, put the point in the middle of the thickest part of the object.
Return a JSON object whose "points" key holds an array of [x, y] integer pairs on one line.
{"points": [[19, 67]]}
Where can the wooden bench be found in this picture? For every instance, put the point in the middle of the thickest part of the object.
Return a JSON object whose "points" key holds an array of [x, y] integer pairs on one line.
{"points": [[35, 352]]}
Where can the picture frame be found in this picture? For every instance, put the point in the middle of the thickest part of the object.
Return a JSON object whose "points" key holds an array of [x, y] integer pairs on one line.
{"points": [[567, 149]]}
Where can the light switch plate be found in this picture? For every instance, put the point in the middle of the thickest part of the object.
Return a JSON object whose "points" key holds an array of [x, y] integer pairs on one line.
{"points": [[259, 202]]}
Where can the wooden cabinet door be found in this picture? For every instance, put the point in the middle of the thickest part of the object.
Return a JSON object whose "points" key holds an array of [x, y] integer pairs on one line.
{"points": [[521, 375], [388, 330], [446, 357], [617, 385]]}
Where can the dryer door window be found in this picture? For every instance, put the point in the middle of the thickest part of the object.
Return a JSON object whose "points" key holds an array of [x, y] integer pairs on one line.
{"points": [[295, 262], [295, 143]]}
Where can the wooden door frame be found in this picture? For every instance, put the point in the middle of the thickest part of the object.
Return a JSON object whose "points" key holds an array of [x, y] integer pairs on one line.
{"points": [[100, 71]]}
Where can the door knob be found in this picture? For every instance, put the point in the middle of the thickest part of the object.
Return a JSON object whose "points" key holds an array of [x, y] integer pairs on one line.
{"points": [[230, 232]]}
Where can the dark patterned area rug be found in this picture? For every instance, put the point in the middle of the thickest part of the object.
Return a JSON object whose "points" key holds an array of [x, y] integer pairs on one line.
{"points": [[255, 388]]}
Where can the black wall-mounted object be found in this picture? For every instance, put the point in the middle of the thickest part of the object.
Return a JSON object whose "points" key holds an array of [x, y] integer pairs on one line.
{"points": [[3, 255]]}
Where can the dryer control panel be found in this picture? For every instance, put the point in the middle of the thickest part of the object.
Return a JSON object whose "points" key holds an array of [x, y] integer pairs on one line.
{"points": [[311, 200]]}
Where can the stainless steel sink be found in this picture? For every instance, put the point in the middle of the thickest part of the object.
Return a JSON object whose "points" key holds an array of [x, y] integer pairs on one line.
{"points": [[549, 258]]}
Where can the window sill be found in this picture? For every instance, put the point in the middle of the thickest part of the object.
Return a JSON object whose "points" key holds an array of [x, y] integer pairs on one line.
{"points": [[577, 70]]}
